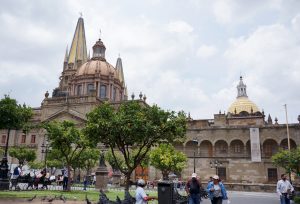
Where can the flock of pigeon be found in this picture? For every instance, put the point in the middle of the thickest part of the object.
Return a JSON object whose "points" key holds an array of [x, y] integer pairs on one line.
{"points": [[103, 199]]}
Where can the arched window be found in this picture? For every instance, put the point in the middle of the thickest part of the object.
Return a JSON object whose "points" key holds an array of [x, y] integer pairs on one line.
{"points": [[102, 91], [79, 90], [90, 88], [270, 147]]}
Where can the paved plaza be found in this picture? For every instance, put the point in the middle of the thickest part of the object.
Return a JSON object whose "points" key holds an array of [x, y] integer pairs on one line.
{"points": [[250, 198]]}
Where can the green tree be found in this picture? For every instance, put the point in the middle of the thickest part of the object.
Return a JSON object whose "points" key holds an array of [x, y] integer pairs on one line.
{"points": [[88, 159], [67, 142], [289, 160], [13, 116], [132, 130], [167, 159], [23, 154]]}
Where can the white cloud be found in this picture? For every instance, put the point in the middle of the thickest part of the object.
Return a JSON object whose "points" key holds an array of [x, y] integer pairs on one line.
{"points": [[269, 57], [235, 11], [206, 51], [179, 27]]}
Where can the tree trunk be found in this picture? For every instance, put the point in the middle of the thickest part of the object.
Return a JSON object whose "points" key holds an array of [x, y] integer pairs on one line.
{"points": [[69, 178], [165, 175], [127, 183]]}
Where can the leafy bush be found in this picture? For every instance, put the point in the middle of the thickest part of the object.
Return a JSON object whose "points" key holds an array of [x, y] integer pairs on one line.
{"points": [[297, 200]]}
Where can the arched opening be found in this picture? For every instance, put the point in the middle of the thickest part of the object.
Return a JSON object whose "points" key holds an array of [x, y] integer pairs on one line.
{"points": [[221, 148], [237, 148], [270, 147], [190, 148], [284, 144], [206, 149]]}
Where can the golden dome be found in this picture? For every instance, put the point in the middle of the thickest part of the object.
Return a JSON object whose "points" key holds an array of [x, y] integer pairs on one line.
{"points": [[96, 66], [242, 104]]}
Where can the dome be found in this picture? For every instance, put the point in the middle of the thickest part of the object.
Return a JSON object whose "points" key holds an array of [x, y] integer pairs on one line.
{"points": [[243, 104], [96, 66]]}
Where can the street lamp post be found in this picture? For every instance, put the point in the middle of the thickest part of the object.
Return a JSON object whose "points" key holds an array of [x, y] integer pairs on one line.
{"points": [[4, 180], [45, 150], [215, 164], [196, 143]]}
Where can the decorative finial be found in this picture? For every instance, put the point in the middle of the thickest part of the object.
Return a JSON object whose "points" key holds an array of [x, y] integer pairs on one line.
{"points": [[219, 112], [144, 98], [141, 95], [234, 110], [119, 55], [80, 13], [100, 34], [132, 96], [276, 121], [46, 94], [299, 118], [251, 110]]}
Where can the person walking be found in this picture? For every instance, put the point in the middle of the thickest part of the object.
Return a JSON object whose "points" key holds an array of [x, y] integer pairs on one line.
{"points": [[193, 190], [65, 179], [140, 195], [284, 188], [216, 191]]}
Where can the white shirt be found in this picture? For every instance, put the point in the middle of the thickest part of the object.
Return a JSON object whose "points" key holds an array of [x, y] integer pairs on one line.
{"points": [[140, 195], [283, 186]]}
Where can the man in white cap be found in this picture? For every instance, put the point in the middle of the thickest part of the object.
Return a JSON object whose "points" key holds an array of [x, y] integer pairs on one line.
{"points": [[140, 195], [193, 190]]}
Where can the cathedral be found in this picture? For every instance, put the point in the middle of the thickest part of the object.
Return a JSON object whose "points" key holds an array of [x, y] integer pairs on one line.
{"points": [[236, 145]]}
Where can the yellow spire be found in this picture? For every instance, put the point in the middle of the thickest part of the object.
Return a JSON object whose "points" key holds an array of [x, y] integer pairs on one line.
{"points": [[78, 49], [119, 68]]}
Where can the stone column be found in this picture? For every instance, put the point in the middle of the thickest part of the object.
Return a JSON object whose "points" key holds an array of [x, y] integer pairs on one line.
{"points": [[101, 174], [116, 178]]}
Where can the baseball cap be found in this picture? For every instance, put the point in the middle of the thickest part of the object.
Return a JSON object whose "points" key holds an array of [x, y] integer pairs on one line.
{"points": [[216, 177], [194, 175], [141, 182]]}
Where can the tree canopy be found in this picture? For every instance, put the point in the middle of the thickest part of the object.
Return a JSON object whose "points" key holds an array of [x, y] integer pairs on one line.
{"points": [[13, 115], [132, 129], [67, 143], [23, 154], [289, 160], [167, 159]]}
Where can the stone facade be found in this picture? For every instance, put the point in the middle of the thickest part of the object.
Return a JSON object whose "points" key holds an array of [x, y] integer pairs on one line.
{"points": [[86, 83]]}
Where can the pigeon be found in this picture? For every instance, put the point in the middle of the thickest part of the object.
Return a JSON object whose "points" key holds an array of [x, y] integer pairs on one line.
{"points": [[31, 199], [63, 198], [118, 200], [87, 200], [51, 199], [44, 198]]}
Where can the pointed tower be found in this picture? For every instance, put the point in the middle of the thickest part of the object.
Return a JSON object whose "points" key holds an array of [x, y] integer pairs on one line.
{"points": [[66, 59], [73, 58], [241, 88], [120, 72], [78, 51]]}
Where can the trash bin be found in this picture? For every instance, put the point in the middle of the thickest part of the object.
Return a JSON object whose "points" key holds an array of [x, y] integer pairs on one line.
{"points": [[165, 192]]}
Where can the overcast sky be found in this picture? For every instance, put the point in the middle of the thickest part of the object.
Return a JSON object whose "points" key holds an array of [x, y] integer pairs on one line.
{"points": [[184, 55]]}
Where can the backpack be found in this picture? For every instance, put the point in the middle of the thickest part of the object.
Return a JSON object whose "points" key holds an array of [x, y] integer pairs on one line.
{"points": [[16, 171], [194, 187]]}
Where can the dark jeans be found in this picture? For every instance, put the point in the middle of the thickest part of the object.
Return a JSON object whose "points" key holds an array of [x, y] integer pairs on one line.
{"points": [[194, 198], [284, 199], [65, 183], [217, 200]]}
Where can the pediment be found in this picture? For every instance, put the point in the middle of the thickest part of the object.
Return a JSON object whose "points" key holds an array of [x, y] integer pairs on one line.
{"points": [[70, 115]]}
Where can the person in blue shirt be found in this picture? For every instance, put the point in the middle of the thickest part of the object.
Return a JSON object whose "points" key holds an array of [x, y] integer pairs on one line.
{"points": [[216, 191]]}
